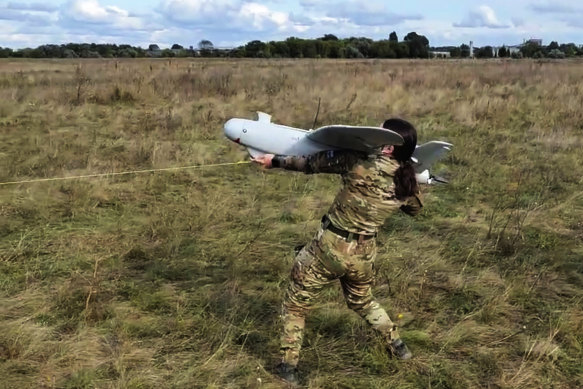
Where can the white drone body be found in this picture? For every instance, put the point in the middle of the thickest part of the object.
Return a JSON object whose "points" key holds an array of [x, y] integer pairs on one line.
{"points": [[261, 136]]}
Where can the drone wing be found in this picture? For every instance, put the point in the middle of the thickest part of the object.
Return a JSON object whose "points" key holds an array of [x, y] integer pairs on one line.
{"points": [[354, 137], [428, 153]]}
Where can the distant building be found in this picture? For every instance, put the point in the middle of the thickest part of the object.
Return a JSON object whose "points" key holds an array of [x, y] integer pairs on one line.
{"points": [[515, 49], [511, 50], [440, 54], [536, 41]]}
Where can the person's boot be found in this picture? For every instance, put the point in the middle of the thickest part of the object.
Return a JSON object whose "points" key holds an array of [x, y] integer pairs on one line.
{"points": [[399, 349], [287, 372]]}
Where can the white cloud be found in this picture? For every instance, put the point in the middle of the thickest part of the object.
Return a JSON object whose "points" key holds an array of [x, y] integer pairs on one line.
{"points": [[31, 14], [227, 15], [87, 12], [556, 7], [371, 13], [568, 13], [197, 11], [38, 7], [259, 15], [517, 22], [483, 16]]}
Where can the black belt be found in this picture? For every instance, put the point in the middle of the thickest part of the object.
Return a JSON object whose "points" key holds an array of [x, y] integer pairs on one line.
{"points": [[349, 236]]}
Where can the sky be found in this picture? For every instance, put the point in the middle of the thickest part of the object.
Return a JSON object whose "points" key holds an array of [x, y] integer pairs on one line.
{"points": [[230, 23]]}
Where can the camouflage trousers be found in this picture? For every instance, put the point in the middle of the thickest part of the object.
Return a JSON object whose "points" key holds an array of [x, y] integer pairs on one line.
{"points": [[327, 258]]}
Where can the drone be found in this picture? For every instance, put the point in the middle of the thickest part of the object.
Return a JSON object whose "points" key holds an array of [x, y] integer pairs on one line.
{"points": [[261, 136]]}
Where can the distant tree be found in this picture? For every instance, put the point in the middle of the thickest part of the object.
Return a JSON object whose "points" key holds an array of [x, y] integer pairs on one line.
{"points": [[255, 48], [352, 52], [127, 53], [205, 44], [553, 46], [363, 45], [140, 53], [36, 53], [167, 53], [239, 52], [49, 51], [86, 53], [335, 49], [465, 51], [329, 37], [107, 51], [393, 37], [529, 49], [456, 52], [153, 47], [484, 52], [295, 47], [556, 53], [22, 53], [323, 48], [309, 49], [5, 52], [68, 53], [570, 49], [279, 49], [206, 47], [418, 45], [383, 49], [503, 52], [176, 46], [402, 49]]}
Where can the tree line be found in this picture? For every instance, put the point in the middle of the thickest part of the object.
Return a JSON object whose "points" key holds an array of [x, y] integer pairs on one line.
{"points": [[531, 49], [328, 46], [413, 45]]}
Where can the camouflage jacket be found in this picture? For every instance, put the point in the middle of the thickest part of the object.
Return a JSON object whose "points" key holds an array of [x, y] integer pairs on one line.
{"points": [[367, 197]]}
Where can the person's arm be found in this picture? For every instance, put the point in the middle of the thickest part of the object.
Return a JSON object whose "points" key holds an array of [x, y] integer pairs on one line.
{"points": [[412, 205], [332, 161]]}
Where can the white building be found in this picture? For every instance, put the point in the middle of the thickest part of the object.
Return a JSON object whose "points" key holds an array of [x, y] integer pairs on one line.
{"points": [[440, 54]]}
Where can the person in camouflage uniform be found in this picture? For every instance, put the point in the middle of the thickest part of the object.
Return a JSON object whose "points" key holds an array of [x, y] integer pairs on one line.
{"points": [[344, 248]]}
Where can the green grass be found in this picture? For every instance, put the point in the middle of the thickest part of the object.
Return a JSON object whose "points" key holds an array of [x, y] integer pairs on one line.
{"points": [[176, 279]]}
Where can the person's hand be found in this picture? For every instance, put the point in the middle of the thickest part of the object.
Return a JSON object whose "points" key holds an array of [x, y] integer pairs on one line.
{"points": [[264, 160]]}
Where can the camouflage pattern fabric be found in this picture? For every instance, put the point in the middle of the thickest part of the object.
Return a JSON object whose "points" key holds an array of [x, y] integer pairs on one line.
{"points": [[327, 258], [366, 199]]}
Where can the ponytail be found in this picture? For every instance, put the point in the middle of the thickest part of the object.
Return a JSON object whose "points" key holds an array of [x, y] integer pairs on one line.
{"points": [[405, 181]]}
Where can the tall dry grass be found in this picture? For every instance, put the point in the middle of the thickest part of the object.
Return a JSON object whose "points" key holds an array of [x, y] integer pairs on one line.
{"points": [[175, 279]]}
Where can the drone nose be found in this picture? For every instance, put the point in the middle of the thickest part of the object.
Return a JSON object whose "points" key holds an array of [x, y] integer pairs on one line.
{"points": [[233, 129]]}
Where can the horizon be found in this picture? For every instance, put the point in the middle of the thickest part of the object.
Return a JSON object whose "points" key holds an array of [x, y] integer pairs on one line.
{"points": [[233, 23], [195, 48]]}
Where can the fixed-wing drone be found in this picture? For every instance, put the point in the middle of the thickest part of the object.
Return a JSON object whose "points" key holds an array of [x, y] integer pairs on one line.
{"points": [[261, 136]]}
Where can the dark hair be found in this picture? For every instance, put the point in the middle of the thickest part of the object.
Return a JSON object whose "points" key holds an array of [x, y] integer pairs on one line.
{"points": [[404, 179]]}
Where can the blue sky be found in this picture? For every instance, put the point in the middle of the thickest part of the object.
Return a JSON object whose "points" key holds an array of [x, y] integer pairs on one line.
{"points": [[229, 23]]}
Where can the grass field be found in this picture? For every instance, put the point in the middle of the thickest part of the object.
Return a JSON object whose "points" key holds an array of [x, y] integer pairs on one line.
{"points": [[175, 279]]}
